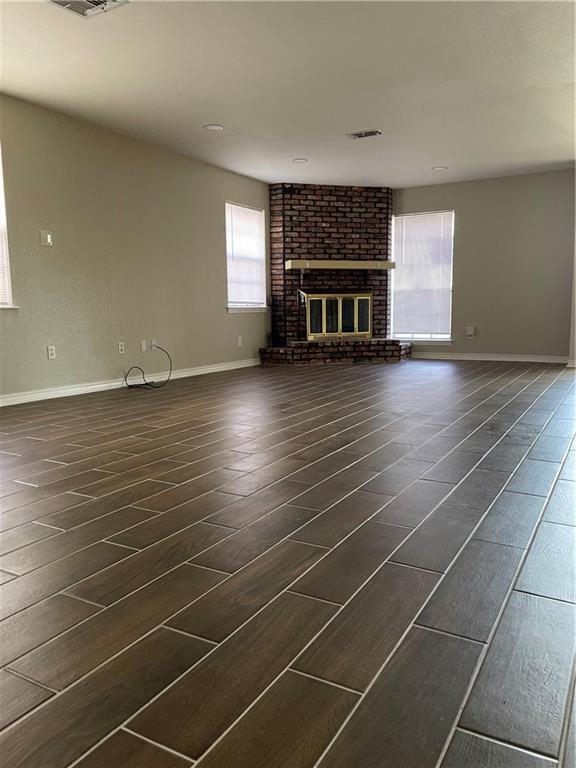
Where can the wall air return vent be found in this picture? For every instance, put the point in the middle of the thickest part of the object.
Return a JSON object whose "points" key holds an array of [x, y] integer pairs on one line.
{"points": [[365, 134], [88, 8]]}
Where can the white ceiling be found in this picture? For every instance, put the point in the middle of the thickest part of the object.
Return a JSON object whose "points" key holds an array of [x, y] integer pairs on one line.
{"points": [[485, 88]]}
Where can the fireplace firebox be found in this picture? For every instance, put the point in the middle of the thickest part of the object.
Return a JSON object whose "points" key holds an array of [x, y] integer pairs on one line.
{"points": [[336, 315]]}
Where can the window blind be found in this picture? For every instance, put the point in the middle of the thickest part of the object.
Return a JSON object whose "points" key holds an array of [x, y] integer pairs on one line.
{"points": [[422, 280], [245, 251], [5, 285]]}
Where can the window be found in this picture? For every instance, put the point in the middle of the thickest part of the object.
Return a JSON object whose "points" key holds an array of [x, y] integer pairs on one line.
{"points": [[5, 284], [246, 257], [422, 280]]}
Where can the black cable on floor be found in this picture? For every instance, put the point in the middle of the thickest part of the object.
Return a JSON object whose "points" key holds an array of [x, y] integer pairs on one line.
{"points": [[145, 383]]}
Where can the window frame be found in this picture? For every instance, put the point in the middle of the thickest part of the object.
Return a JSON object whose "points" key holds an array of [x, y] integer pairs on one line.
{"points": [[425, 338], [231, 307], [4, 237]]}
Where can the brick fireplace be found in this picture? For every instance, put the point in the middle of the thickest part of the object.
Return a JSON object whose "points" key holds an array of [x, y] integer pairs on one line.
{"points": [[313, 226]]}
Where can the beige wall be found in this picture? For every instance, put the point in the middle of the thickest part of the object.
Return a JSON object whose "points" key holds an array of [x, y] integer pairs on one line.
{"points": [[513, 261], [139, 253]]}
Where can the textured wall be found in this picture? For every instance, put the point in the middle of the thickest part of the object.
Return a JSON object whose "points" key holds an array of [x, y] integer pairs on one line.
{"points": [[313, 221], [139, 253], [513, 260]]}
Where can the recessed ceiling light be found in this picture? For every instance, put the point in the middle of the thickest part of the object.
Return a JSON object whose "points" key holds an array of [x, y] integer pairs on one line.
{"points": [[214, 127], [300, 160], [440, 168]]}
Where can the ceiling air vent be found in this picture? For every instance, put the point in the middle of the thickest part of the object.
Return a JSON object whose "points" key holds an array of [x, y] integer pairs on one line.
{"points": [[364, 134], [88, 8]]}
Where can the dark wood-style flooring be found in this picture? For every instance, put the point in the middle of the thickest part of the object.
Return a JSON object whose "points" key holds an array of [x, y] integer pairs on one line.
{"points": [[343, 567]]}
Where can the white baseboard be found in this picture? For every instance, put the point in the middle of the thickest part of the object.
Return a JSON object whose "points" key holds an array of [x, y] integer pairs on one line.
{"points": [[100, 386], [423, 355]]}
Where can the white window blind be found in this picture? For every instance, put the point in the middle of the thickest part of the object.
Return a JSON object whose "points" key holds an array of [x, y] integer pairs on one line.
{"points": [[5, 285], [422, 280], [245, 252]]}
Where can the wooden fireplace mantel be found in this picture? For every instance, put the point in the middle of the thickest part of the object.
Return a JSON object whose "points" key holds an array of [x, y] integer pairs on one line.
{"points": [[337, 264]]}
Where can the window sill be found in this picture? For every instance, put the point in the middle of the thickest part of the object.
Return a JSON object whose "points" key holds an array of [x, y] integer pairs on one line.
{"points": [[429, 342], [9, 306], [243, 310]]}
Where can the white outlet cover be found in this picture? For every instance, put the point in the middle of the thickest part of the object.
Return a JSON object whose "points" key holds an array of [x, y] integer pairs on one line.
{"points": [[51, 352], [46, 238], [143, 345], [121, 348]]}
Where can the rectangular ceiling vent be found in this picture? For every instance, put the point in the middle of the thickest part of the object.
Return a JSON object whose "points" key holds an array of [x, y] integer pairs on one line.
{"points": [[88, 8], [365, 134]]}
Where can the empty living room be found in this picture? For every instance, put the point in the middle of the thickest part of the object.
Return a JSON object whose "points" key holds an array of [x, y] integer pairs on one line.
{"points": [[287, 384]]}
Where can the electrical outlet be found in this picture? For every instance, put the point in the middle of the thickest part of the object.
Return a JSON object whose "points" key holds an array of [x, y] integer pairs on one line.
{"points": [[51, 351], [121, 348], [470, 331], [143, 345], [240, 341], [46, 238]]}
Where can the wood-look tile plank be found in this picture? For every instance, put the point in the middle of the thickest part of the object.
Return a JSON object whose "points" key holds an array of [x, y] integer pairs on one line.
{"points": [[479, 489], [406, 717], [434, 449], [40, 553], [66, 658], [411, 506], [437, 541], [505, 456], [246, 544], [561, 507], [347, 566], [82, 511], [198, 467], [290, 726], [398, 477], [469, 599], [550, 567], [31, 494], [549, 448], [38, 510], [470, 749], [69, 724], [353, 647], [176, 519], [330, 527], [50, 473], [384, 457], [324, 468], [511, 519], [173, 497], [222, 611], [117, 482], [24, 535], [18, 697], [43, 582], [125, 750], [250, 508], [243, 667], [520, 693], [39, 623], [568, 471], [255, 481], [329, 491], [141, 567], [4, 577], [533, 477], [453, 467]]}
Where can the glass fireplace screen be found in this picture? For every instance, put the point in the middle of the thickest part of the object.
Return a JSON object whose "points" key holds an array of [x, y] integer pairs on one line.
{"points": [[337, 316]]}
